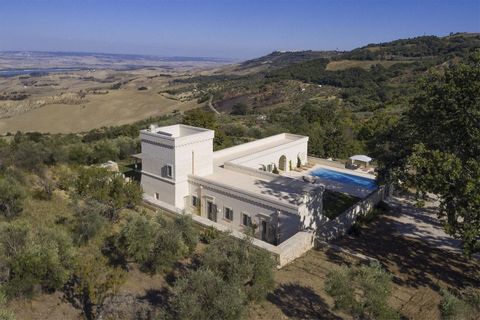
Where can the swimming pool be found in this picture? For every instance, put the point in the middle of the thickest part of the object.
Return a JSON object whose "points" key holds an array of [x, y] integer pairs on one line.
{"points": [[350, 179]]}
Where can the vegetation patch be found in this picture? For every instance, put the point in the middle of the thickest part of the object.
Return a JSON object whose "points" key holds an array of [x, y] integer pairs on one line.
{"points": [[335, 203]]}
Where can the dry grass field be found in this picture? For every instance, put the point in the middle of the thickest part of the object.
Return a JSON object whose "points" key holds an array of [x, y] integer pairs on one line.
{"points": [[83, 100], [98, 90], [115, 108]]}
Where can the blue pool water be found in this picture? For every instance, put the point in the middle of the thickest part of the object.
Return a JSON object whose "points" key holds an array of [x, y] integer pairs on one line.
{"points": [[338, 176]]}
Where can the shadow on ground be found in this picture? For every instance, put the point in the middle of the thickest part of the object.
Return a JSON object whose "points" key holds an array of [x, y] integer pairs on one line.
{"points": [[300, 302], [413, 262]]}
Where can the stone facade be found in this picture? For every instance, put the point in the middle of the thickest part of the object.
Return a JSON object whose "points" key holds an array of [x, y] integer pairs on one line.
{"points": [[232, 187]]}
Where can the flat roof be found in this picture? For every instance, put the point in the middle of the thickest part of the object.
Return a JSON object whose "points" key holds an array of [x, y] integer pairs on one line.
{"points": [[279, 188], [176, 131], [243, 150]]}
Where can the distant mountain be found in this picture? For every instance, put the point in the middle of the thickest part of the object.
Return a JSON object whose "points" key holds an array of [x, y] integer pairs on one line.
{"points": [[370, 78], [115, 56], [457, 44], [279, 59], [20, 60]]}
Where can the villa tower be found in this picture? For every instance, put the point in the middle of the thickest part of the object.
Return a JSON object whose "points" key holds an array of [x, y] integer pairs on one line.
{"points": [[169, 155]]}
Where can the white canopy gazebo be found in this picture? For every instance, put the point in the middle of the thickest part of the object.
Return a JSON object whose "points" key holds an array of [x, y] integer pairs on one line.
{"points": [[362, 158]]}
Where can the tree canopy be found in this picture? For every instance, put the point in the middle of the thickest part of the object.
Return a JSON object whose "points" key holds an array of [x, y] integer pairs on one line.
{"points": [[435, 148]]}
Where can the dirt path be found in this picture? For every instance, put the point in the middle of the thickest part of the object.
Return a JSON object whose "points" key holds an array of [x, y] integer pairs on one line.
{"points": [[210, 105], [410, 243], [421, 223]]}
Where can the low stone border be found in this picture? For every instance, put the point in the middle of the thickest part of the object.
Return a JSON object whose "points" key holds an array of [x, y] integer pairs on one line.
{"points": [[284, 253]]}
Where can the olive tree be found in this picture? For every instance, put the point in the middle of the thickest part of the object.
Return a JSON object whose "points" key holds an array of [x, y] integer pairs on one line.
{"points": [[239, 263], [361, 291], [40, 257], [435, 148], [12, 195], [204, 295]]}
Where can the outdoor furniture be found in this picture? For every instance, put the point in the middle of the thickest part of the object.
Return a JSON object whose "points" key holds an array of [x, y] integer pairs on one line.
{"points": [[361, 158]]}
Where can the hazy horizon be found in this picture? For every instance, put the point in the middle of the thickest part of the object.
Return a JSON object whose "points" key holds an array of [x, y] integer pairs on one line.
{"points": [[228, 29]]}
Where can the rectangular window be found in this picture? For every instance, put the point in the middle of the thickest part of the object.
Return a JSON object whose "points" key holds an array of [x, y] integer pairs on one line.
{"points": [[195, 201], [228, 214], [247, 220], [169, 171]]}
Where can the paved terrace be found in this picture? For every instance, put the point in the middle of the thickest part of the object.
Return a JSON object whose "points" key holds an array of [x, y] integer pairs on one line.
{"points": [[273, 187]]}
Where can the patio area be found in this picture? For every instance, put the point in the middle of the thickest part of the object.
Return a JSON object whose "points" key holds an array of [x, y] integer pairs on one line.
{"points": [[315, 164]]}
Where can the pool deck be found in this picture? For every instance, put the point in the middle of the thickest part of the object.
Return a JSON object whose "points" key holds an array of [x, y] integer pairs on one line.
{"points": [[353, 190]]}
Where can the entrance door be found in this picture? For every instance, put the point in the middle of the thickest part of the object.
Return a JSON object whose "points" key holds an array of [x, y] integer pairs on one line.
{"points": [[282, 163], [211, 211], [264, 230]]}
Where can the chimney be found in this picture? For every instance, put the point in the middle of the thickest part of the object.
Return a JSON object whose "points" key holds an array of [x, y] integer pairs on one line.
{"points": [[152, 128]]}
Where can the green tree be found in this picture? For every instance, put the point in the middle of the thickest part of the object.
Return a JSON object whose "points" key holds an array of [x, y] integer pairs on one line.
{"points": [[435, 148], [89, 221], [35, 257], [156, 245], [184, 225], [200, 118], [12, 195], [205, 119], [361, 291], [94, 280], [239, 263], [203, 295], [108, 188], [136, 238]]}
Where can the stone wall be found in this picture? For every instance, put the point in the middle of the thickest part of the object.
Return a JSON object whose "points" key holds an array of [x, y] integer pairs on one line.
{"points": [[340, 225]]}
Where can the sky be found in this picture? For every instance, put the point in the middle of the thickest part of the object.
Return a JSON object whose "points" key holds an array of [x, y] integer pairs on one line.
{"points": [[236, 29]]}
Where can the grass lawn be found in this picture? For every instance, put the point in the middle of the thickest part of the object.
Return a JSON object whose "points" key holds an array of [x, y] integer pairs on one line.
{"points": [[334, 203]]}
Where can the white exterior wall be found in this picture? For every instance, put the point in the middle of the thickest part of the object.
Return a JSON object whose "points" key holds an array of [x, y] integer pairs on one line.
{"points": [[152, 185], [155, 157], [192, 153], [292, 151], [189, 151], [285, 219]]}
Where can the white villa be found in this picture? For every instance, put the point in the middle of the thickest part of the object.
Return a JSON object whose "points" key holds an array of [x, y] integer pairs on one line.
{"points": [[234, 187]]}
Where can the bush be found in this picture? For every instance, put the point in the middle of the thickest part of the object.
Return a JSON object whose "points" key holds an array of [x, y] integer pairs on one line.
{"points": [[4, 313], [275, 170], [12, 195], [168, 248], [156, 245], [361, 291], [35, 258], [184, 225], [93, 280], [465, 305], [136, 238], [204, 295], [240, 109], [239, 263], [209, 234], [88, 222], [107, 188]]}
